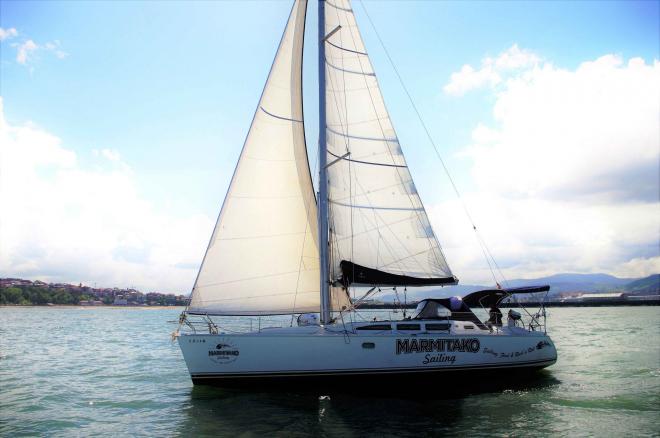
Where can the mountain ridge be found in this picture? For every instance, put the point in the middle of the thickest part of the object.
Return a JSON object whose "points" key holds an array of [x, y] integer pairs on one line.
{"points": [[561, 283]]}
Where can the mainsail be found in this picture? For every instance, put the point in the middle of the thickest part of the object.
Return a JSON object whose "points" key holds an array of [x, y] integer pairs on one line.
{"points": [[263, 254], [379, 231]]}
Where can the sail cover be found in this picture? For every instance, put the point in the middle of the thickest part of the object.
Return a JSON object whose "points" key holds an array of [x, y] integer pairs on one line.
{"points": [[493, 297], [377, 221], [263, 254]]}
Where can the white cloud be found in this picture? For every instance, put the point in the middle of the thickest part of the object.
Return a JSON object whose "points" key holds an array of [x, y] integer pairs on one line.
{"points": [[62, 221], [24, 51], [638, 267], [567, 176], [588, 133], [534, 238], [111, 154], [513, 58], [54, 47], [492, 72], [468, 79], [6, 34]]}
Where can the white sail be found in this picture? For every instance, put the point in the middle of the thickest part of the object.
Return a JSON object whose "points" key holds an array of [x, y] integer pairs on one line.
{"points": [[263, 254], [376, 217]]}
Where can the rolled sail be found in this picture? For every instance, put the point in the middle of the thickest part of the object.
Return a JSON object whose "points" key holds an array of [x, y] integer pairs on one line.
{"points": [[353, 274]]}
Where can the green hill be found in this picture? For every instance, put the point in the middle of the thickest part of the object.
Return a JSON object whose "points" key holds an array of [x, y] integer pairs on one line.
{"points": [[644, 286]]}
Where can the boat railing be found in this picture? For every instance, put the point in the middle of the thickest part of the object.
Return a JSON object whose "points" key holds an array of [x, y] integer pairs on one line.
{"points": [[533, 322], [215, 324]]}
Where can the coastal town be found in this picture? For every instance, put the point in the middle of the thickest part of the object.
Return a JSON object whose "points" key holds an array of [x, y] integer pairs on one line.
{"points": [[17, 291]]}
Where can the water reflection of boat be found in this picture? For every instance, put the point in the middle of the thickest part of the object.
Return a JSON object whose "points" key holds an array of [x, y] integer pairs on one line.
{"points": [[349, 411], [275, 250]]}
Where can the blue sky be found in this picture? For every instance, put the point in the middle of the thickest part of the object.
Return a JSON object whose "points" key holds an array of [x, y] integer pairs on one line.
{"points": [[170, 87]]}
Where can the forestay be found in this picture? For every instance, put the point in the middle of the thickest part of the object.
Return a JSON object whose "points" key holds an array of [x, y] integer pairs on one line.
{"points": [[263, 254], [377, 220]]}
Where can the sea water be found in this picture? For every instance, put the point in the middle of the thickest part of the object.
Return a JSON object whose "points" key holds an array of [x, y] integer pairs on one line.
{"points": [[109, 371]]}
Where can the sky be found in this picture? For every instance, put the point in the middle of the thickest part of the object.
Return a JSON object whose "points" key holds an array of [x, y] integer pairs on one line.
{"points": [[121, 124]]}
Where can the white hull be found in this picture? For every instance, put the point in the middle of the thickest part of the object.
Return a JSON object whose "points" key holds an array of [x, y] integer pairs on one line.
{"points": [[322, 352]]}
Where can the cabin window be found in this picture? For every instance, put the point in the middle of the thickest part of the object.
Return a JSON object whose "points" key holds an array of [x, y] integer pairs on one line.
{"points": [[407, 326], [468, 327], [375, 327], [442, 326], [368, 345]]}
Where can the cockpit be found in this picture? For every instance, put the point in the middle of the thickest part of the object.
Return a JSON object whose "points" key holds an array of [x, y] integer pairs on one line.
{"points": [[431, 309], [460, 309], [446, 308]]}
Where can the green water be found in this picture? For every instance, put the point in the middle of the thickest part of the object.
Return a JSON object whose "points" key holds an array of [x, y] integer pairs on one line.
{"points": [[80, 372]]}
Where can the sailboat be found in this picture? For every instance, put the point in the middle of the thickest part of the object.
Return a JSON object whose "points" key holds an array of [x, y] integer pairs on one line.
{"points": [[279, 248]]}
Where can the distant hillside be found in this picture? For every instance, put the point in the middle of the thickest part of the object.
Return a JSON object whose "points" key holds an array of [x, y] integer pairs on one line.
{"points": [[576, 282], [559, 283], [644, 286]]}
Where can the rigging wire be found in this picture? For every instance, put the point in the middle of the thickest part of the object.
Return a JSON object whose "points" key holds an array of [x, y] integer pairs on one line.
{"points": [[481, 241]]}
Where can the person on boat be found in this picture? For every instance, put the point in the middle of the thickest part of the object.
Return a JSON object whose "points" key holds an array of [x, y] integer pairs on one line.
{"points": [[513, 318], [495, 316]]}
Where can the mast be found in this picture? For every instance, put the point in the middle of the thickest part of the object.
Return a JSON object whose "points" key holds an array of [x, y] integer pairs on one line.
{"points": [[323, 181]]}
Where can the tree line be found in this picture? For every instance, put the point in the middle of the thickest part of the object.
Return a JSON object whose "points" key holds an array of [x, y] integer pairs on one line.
{"points": [[25, 295], [31, 295]]}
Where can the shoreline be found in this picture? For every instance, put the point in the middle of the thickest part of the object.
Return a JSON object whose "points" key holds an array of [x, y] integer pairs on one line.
{"points": [[594, 303]]}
